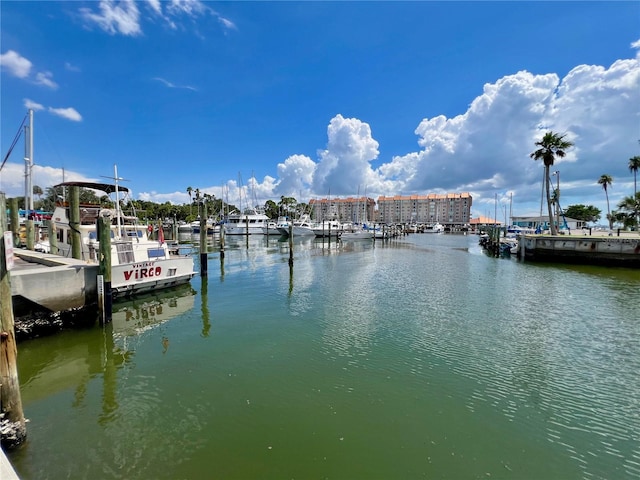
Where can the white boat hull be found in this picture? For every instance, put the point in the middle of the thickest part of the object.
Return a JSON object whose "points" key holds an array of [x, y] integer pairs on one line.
{"points": [[139, 277]]}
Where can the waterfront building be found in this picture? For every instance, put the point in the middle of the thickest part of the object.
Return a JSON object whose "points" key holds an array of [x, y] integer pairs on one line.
{"points": [[350, 209], [450, 210], [543, 222]]}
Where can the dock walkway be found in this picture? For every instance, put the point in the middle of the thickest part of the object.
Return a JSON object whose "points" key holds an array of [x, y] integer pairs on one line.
{"points": [[52, 282]]}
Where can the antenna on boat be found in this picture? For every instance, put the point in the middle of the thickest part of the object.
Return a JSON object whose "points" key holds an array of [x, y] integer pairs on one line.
{"points": [[115, 178]]}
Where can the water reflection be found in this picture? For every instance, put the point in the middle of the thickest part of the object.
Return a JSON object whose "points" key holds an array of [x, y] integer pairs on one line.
{"points": [[135, 316]]}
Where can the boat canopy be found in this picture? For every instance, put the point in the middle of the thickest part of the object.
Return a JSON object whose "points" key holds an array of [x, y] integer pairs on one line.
{"points": [[108, 188]]}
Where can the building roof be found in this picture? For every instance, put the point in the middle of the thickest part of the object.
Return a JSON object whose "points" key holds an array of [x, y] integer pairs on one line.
{"points": [[484, 221]]}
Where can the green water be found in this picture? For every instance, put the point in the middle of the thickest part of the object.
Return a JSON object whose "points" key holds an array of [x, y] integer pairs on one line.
{"points": [[417, 358]]}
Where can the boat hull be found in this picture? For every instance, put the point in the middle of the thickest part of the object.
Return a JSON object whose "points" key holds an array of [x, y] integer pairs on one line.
{"points": [[138, 277]]}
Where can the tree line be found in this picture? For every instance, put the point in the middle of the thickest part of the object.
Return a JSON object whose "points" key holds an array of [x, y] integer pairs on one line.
{"points": [[145, 210]]}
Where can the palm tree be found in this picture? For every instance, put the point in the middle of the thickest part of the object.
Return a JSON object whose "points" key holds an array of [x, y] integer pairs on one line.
{"points": [[189, 190], [551, 146], [634, 166], [606, 181], [629, 209]]}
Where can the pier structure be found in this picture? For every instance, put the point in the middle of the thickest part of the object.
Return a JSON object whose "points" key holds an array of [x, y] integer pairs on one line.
{"points": [[622, 250], [51, 282]]}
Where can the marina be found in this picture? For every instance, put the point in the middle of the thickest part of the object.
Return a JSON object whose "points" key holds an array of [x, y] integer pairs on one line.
{"points": [[421, 356]]}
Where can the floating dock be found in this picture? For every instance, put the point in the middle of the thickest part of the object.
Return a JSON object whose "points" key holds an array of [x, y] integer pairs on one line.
{"points": [[46, 282]]}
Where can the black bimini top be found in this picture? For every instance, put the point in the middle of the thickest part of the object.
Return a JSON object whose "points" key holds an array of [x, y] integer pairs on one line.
{"points": [[108, 188]]}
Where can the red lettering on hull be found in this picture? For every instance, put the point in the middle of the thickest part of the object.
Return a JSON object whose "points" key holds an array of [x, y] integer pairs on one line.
{"points": [[140, 273]]}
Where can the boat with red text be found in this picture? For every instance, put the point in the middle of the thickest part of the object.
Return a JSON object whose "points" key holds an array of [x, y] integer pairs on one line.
{"points": [[138, 262]]}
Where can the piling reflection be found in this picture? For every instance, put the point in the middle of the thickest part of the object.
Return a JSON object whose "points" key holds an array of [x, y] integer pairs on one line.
{"points": [[204, 305]]}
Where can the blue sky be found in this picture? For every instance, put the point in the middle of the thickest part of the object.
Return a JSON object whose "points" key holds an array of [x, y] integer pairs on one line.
{"points": [[305, 99]]}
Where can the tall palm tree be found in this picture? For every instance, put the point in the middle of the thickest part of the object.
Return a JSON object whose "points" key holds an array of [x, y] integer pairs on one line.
{"points": [[606, 181], [551, 146], [634, 166], [189, 190]]}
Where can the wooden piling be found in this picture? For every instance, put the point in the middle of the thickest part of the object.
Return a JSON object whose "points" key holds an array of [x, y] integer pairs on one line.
{"points": [[14, 430], [202, 207], [31, 234], [104, 269], [53, 238], [74, 222], [14, 213], [222, 235], [291, 244]]}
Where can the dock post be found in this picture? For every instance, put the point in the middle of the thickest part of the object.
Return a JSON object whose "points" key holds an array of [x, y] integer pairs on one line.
{"points": [[74, 222], [104, 269], [53, 238], [14, 220], [291, 244], [14, 430], [31, 234], [222, 235], [202, 207]]}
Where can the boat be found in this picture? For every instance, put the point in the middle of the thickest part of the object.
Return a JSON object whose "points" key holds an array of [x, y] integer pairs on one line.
{"points": [[434, 228], [300, 227], [212, 227], [273, 226], [138, 263], [327, 228], [184, 227], [250, 222], [357, 232]]}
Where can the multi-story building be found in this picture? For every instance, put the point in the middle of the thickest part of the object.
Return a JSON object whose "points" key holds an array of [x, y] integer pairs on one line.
{"points": [[357, 210], [451, 209]]}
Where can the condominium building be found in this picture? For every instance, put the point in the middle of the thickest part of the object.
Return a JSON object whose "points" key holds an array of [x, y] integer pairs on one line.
{"points": [[357, 210], [450, 209]]}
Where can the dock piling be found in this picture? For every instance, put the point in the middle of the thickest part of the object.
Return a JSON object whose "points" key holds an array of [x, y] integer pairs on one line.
{"points": [[14, 220], [202, 207], [53, 238], [103, 226], [74, 222], [290, 244], [14, 430]]}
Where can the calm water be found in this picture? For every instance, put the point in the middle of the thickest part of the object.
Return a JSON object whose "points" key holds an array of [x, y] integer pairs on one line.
{"points": [[417, 358]]}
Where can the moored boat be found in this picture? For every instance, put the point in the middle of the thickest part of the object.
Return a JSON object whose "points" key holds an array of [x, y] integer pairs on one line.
{"points": [[434, 228], [138, 263], [250, 222], [327, 228]]}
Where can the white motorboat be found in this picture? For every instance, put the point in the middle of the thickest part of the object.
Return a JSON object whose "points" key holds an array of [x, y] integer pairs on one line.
{"points": [[327, 228], [357, 232], [271, 228], [300, 227], [434, 228], [138, 263], [251, 222]]}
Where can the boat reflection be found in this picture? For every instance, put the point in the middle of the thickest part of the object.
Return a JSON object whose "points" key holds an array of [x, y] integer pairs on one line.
{"points": [[71, 360], [143, 312]]}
